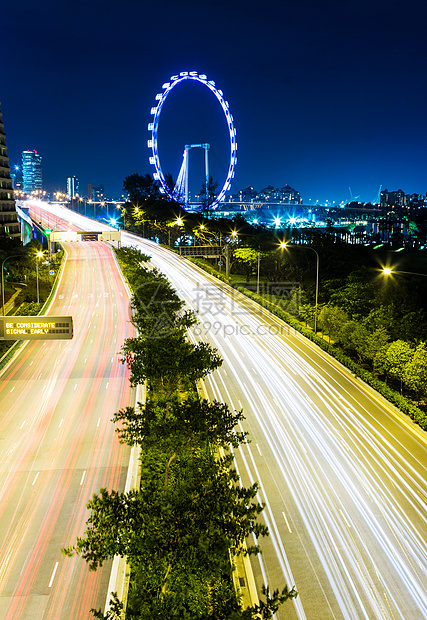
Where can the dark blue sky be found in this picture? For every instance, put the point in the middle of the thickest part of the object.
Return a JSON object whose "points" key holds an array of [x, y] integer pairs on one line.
{"points": [[325, 94]]}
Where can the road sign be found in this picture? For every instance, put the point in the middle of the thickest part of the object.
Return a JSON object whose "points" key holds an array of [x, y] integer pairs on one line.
{"points": [[36, 327], [201, 250]]}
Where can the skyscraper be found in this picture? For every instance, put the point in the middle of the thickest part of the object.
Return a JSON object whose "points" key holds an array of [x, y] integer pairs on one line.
{"points": [[72, 187], [32, 171], [9, 225]]}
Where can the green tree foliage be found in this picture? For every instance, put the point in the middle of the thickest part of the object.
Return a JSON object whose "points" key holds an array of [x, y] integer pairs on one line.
{"points": [[169, 362], [140, 187], [331, 320], [375, 341], [354, 338], [177, 529], [415, 371], [394, 359], [247, 257]]}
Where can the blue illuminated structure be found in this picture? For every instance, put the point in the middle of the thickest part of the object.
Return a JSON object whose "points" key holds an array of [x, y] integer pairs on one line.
{"points": [[153, 127]]}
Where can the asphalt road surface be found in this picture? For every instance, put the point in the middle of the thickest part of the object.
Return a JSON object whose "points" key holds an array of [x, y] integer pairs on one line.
{"points": [[342, 473], [57, 443]]}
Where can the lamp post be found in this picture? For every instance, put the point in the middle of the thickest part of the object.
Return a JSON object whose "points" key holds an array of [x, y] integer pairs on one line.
{"points": [[2, 276], [308, 247], [38, 256]]}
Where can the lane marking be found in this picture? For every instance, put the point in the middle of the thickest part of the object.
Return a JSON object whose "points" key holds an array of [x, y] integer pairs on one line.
{"points": [[343, 516], [259, 450], [34, 481], [99, 420], [83, 477], [302, 446], [53, 575], [60, 424], [287, 523], [22, 424], [107, 385], [12, 389]]}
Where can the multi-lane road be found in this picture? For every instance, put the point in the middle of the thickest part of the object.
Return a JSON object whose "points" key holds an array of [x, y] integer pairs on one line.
{"points": [[58, 445], [342, 473]]}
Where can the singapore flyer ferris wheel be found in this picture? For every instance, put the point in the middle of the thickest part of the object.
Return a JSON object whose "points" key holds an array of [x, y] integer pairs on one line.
{"points": [[180, 191]]}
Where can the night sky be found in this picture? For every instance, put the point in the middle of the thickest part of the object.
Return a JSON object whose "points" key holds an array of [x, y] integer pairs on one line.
{"points": [[325, 94]]}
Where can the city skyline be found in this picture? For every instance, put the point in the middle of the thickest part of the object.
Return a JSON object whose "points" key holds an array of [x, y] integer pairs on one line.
{"points": [[323, 98]]}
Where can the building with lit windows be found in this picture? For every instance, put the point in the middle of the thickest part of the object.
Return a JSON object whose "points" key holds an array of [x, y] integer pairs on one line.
{"points": [[9, 224], [32, 171], [72, 187]]}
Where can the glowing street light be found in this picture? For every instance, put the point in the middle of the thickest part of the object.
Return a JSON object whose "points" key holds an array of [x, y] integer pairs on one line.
{"points": [[388, 271]]}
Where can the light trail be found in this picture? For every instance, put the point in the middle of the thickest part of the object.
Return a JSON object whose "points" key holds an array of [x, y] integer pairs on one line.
{"points": [[350, 471], [60, 446], [345, 467]]}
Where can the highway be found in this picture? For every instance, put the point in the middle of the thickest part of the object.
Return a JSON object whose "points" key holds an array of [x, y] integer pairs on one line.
{"points": [[58, 445], [342, 473]]}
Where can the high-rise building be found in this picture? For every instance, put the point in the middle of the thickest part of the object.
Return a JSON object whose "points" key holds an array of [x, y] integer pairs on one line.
{"points": [[32, 171], [9, 225], [72, 187], [96, 193]]}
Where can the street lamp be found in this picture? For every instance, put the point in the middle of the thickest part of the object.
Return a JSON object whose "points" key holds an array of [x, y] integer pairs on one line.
{"points": [[38, 256], [308, 247], [2, 276], [387, 271]]}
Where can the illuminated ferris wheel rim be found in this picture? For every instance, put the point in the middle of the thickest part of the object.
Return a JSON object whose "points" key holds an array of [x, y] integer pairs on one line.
{"points": [[153, 127]]}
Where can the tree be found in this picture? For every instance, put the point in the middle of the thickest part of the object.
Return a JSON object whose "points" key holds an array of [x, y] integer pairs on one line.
{"points": [[247, 257], [176, 539], [140, 187], [169, 362], [415, 371], [397, 355], [354, 337], [375, 341], [209, 196], [177, 530], [307, 313], [331, 320]]}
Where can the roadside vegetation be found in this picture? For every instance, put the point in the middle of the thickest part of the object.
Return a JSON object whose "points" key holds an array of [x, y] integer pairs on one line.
{"points": [[20, 279], [190, 513], [375, 324]]}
